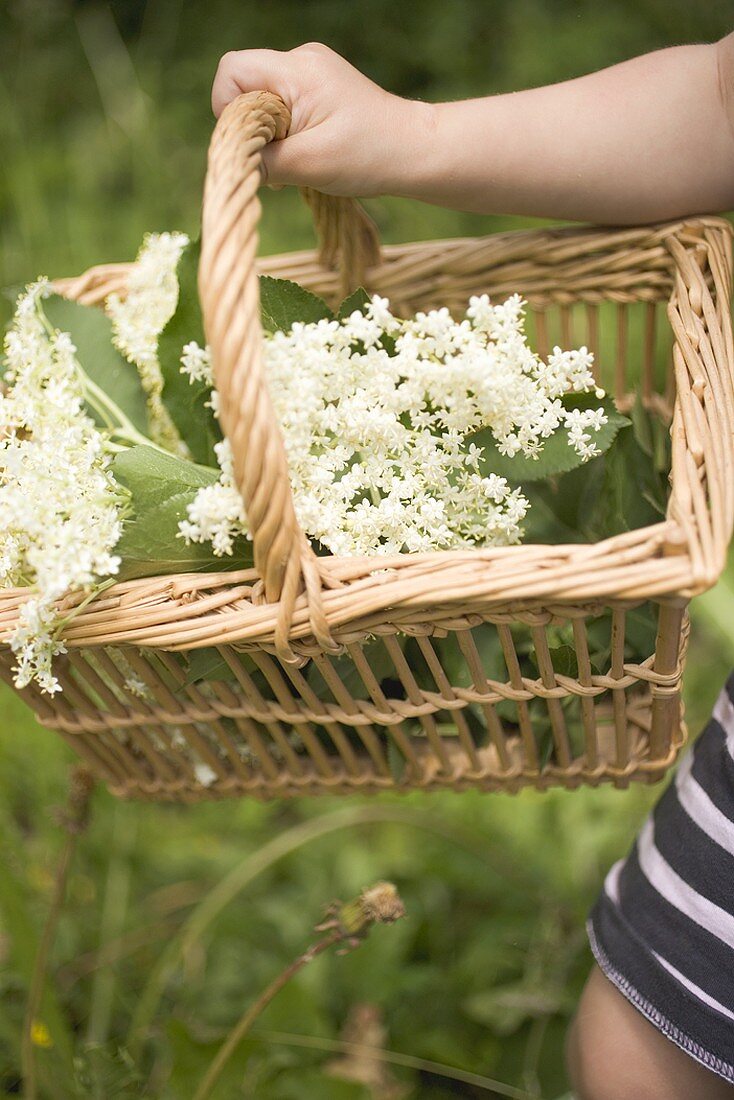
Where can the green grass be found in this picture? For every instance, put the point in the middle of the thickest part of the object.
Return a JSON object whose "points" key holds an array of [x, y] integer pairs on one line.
{"points": [[177, 917]]}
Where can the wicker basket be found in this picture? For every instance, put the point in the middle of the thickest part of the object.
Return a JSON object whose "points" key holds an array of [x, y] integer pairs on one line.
{"points": [[224, 738]]}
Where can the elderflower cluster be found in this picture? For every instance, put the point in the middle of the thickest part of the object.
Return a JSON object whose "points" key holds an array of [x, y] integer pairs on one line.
{"points": [[60, 508], [216, 514], [139, 318], [377, 416], [196, 363]]}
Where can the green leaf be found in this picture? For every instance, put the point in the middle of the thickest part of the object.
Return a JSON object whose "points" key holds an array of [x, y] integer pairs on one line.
{"points": [[91, 331], [356, 301], [652, 436], [345, 668], [209, 664], [162, 486], [641, 627], [185, 400], [191, 1057], [107, 1071], [642, 426], [282, 302], [556, 456], [632, 493], [563, 659], [453, 661]]}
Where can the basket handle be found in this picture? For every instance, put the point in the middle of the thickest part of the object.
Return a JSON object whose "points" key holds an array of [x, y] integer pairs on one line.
{"points": [[230, 300], [348, 238]]}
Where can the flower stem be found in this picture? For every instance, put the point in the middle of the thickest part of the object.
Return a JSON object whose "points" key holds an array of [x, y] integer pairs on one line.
{"points": [[74, 820], [115, 420], [244, 1024], [120, 425], [61, 624], [136, 438], [347, 924]]}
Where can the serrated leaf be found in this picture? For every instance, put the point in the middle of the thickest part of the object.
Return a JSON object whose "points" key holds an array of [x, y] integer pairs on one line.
{"points": [[556, 456], [91, 331], [356, 301], [162, 486], [629, 484], [282, 302], [185, 400]]}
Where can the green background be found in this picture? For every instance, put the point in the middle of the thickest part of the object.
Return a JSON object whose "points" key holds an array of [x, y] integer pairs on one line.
{"points": [[104, 120]]}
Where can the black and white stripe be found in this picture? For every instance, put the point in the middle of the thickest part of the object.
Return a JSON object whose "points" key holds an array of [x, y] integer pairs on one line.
{"points": [[663, 928]]}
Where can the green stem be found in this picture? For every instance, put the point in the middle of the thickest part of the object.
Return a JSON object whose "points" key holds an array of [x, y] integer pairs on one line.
{"points": [[136, 438], [124, 427], [61, 624], [74, 821], [115, 420], [114, 910], [101, 412], [260, 861], [38, 978], [393, 1057], [246, 1021]]}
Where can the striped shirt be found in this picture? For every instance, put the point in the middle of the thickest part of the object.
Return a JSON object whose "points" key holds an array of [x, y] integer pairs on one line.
{"points": [[663, 928]]}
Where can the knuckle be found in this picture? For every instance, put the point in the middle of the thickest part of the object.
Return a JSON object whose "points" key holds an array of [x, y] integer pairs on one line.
{"points": [[228, 61], [228, 66], [313, 48]]}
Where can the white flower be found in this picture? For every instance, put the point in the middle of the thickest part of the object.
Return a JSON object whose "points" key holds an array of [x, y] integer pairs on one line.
{"points": [[580, 424], [138, 687], [60, 508], [216, 513], [139, 318], [377, 415], [204, 774], [196, 363]]}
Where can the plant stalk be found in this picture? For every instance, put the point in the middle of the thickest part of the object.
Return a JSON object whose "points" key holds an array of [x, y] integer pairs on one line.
{"points": [[243, 1025], [346, 924], [73, 819]]}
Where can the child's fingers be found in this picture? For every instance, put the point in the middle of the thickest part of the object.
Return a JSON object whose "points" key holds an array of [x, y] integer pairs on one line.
{"points": [[294, 160], [250, 71]]}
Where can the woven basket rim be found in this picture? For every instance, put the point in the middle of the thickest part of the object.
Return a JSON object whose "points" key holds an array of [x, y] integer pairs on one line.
{"points": [[661, 561]]}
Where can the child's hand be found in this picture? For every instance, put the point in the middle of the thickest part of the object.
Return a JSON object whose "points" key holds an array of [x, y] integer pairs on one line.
{"points": [[648, 139], [347, 135]]}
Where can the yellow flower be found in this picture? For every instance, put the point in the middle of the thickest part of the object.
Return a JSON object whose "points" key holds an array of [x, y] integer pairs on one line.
{"points": [[40, 1035]]}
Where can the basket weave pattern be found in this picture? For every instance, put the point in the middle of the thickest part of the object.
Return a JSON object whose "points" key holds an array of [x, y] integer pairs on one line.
{"points": [[659, 294]]}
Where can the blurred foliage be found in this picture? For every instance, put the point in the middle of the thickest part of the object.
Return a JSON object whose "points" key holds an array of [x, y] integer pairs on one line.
{"points": [[104, 119]]}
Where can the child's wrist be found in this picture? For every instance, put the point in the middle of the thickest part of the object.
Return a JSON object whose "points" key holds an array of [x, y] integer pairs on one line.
{"points": [[412, 152]]}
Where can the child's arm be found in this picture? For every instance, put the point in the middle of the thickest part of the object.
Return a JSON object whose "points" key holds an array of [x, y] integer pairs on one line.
{"points": [[648, 139]]}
